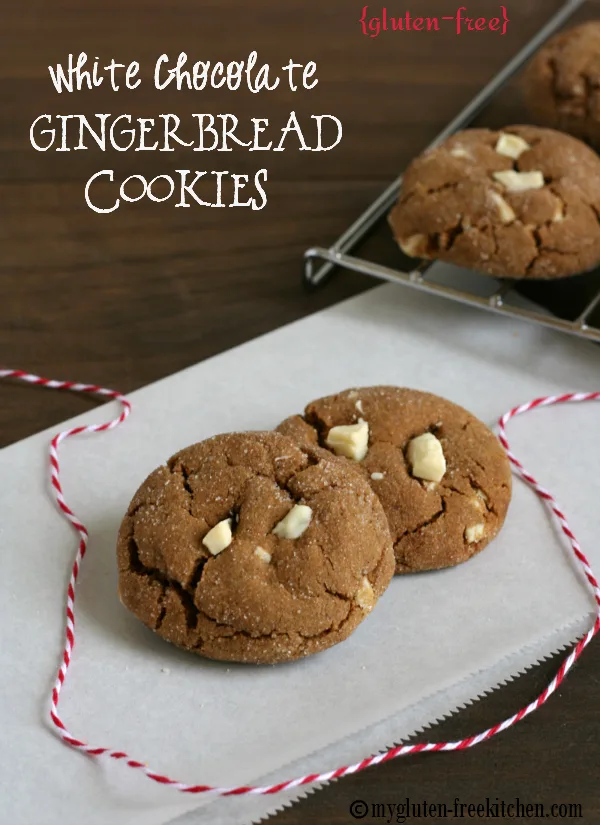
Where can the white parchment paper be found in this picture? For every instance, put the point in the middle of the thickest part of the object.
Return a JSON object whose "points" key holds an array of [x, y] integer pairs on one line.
{"points": [[206, 722]]}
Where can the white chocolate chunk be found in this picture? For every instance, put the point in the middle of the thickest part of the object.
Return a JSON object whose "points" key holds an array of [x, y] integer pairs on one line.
{"points": [[480, 500], [520, 181], [511, 146], [415, 246], [559, 213], [365, 598], [262, 554], [359, 407], [351, 441], [377, 476], [507, 214], [295, 523], [426, 457], [219, 538], [478, 503], [475, 533], [460, 152]]}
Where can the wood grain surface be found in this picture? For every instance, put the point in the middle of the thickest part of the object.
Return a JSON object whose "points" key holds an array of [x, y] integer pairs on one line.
{"points": [[123, 299]]}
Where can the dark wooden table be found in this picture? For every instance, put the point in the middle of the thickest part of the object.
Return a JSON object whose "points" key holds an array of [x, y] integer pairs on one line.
{"points": [[125, 298]]}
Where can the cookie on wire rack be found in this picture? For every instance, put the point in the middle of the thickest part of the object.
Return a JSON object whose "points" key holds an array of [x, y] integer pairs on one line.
{"points": [[523, 202], [562, 82]]}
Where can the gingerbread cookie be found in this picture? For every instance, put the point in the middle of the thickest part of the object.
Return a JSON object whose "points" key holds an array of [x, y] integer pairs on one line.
{"points": [[562, 82], [520, 203], [249, 548], [441, 475]]}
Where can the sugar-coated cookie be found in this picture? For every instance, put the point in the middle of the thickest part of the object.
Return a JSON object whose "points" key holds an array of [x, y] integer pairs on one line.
{"points": [[523, 202], [441, 475], [562, 82], [250, 548]]}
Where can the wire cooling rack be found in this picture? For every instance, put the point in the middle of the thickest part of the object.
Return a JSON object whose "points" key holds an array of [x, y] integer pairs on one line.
{"points": [[583, 318]]}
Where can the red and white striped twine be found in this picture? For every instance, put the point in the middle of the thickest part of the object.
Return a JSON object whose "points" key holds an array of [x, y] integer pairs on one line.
{"points": [[402, 750]]}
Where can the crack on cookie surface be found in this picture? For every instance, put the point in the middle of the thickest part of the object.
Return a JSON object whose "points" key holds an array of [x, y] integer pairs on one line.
{"points": [[446, 240], [133, 511], [401, 558], [441, 512], [430, 190], [154, 574], [185, 477], [537, 239], [197, 574], [312, 417], [163, 610]]}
